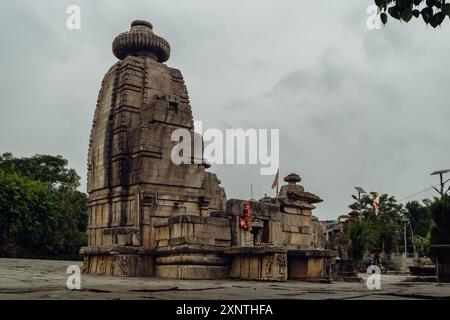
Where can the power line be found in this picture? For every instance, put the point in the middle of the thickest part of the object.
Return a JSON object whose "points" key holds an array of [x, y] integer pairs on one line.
{"points": [[415, 194]]}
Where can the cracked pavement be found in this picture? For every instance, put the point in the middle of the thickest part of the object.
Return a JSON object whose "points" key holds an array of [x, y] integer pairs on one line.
{"points": [[46, 279]]}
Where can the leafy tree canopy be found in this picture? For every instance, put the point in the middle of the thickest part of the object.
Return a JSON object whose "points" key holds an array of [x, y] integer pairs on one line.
{"points": [[432, 12], [440, 211], [419, 216], [41, 212], [381, 231], [377, 230], [45, 168]]}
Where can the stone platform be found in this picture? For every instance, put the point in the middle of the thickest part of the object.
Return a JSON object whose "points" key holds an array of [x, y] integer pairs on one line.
{"points": [[45, 279]]}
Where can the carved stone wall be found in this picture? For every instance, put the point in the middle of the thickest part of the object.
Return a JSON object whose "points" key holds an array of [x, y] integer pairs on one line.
{"points": [[133, 184]]}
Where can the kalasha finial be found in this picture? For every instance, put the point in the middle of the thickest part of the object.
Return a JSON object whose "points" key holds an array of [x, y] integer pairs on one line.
{"points": [[141, 23], [292, 178], [141, 41]]}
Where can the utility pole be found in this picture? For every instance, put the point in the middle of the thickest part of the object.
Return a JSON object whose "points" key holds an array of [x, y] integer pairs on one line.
{"points": [[442, 182], [413, 243], [406, 246], [360, 191], [405, 221]]}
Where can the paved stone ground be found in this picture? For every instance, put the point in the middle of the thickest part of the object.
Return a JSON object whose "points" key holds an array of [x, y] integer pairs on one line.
{"points": [[45, 279]]}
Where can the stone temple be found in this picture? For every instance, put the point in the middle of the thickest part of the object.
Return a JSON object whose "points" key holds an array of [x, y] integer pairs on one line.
{"points": [[151, 217]]}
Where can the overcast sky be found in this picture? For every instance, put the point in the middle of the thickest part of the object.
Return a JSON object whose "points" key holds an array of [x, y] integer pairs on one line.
{"points": [[354, 107]]}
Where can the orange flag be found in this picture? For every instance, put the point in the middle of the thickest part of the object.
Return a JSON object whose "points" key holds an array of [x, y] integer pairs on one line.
{"points": [[376, 204], [275, 182]]}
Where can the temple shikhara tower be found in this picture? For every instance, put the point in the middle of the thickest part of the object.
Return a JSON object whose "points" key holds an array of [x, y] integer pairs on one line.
{"points": [[151, 217]]}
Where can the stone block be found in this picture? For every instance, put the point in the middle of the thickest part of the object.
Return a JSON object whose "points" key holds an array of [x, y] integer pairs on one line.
{"points": [[302, 268], [192, 259], [270, 266], [191, 272]]}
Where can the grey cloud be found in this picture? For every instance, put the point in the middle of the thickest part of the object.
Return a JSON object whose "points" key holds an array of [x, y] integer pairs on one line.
{"points": [[354, 107]]}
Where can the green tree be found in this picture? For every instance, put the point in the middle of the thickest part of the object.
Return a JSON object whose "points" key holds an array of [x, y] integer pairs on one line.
{"points": [[419, 216], [432, 12], [379, 230], [73, 208], [440, 211], [28, 215], [45, 168], [420, 219], [42, 214], [364, 238]]}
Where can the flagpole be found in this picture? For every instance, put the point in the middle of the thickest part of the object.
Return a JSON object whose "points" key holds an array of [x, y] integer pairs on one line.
{"points": [[278, 183], [275, 183]]}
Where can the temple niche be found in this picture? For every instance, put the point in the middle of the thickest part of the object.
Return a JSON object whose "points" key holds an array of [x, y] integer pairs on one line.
{"points": [[151, 217]]}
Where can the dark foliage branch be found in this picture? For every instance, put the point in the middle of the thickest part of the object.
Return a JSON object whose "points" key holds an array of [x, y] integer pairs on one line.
{"points": [[432, 12]]}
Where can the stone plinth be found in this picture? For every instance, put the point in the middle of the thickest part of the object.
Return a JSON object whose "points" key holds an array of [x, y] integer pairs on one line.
{"points": [[258, 263], [124, 261], [309, 264]]}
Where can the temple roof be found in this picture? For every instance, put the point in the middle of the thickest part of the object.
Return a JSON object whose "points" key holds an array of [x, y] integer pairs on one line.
{"points": [[304, 196], [293, 194], [141, 41]]}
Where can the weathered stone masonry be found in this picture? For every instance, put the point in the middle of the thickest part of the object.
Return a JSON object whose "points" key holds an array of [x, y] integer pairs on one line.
{"points": [[150, 217]]}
